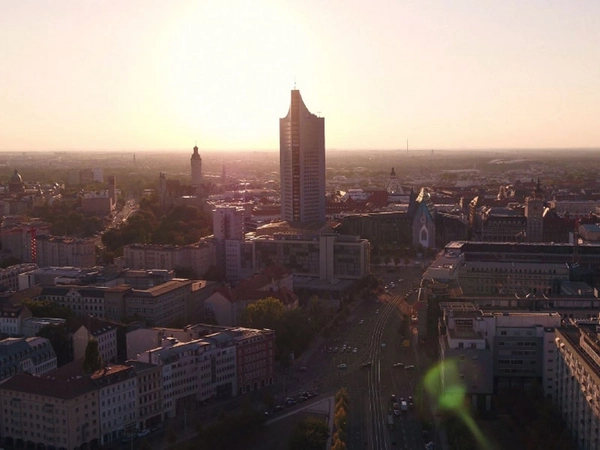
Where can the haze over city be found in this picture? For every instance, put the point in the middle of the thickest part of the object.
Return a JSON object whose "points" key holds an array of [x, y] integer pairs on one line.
{"points": [[142, 75]]}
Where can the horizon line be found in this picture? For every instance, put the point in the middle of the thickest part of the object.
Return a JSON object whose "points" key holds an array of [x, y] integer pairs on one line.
{"points": [[364, 149]]}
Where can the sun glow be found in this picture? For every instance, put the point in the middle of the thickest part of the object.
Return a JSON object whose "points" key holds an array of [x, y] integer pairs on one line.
{"points": [[228, 70]]}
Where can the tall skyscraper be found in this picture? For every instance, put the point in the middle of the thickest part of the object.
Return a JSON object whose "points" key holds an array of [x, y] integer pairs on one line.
{"points": [[196, 163], [302, 163]]}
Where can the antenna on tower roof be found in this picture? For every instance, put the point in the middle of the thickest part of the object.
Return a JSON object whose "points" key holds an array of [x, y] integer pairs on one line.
{"points": [[294, 82]]}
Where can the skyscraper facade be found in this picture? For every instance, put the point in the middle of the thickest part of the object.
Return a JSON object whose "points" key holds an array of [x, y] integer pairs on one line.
{"points": [[302, 163]]}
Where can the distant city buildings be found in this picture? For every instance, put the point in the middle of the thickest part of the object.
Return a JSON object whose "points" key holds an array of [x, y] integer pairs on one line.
{"points": [[101, 203]]}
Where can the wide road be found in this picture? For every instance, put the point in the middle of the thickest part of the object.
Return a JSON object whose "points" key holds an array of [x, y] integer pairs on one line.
{"points": [[368, 373]]}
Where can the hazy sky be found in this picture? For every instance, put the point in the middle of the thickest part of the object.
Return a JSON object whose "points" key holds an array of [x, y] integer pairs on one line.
{"points": [[143, 74]]}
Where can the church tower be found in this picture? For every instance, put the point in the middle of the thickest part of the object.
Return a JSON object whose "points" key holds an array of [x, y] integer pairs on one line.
{"points": [[534, 213], [196, 165], [393, 185]]}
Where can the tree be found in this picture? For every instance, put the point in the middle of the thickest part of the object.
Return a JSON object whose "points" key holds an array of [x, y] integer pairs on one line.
{"points": [[311, 433], [265, 313], [47, 308], [92, 360]]}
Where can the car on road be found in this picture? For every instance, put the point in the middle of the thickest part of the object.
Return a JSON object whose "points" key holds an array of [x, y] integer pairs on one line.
{"points": [[367, 364], [279, 408], [376, 311], [361, 322], [396, 412], [398, 364], [403, 406], [354, 350], [393, 398], [144, 432], [430, 446], [343, 366], [411, 367]]}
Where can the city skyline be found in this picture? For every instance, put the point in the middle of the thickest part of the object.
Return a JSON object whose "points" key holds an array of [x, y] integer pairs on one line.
{"points": [[440, 75]]}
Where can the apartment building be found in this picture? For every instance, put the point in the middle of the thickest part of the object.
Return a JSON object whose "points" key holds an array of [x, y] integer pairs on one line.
{"points": [[65, 251], [198, 256], [164, 304], [19, 237], [34, 355], [118, 400], [255, 357], [43, 412], [181, 371], [498, 350], [9, 277], [577, 391], [12, 317], [83, 330], [150, 394], [158, 305], [223, 370]]}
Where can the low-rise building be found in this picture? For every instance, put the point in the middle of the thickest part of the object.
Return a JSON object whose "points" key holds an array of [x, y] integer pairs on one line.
{"points": [[118, 400], [255, 358], [65, 251], [164, 304], [34, 355], [12, 318], [9, 277], [227, 304], [33, 325], [84, 330], [44, 412], [185, 370], [198, 256], [150, 394]]}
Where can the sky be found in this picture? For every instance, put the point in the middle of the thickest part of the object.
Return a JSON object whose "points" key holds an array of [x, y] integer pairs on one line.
{"points": [[155, 74]]}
